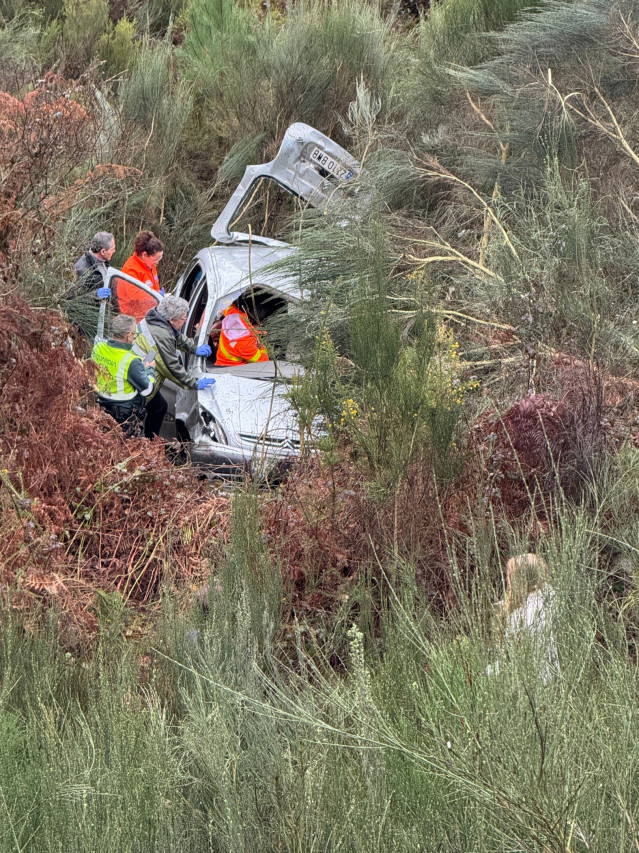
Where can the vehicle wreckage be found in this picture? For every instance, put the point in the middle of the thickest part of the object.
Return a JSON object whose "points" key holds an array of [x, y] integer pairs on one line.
{"points": [[245, 421]]}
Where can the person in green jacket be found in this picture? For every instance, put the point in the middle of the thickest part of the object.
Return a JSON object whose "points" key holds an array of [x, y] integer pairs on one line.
{"points": [[160, 336], [123, 380]]}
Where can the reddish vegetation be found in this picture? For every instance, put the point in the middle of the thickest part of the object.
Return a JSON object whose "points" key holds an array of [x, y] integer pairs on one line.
{"points": [[82, 507], [44, 139], [543, 443], [326, 528]]}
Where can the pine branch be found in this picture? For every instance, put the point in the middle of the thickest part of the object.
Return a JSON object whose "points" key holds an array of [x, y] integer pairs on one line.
{"points": [[450, 255], [578, 104]]}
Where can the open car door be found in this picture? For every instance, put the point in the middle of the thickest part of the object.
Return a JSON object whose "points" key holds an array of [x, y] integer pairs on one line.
{"points": [[182, 403], [309, 164], [109, 307]]}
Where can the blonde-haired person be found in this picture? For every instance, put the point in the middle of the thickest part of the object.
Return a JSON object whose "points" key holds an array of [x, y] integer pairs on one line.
{"points": [[526, 615]]}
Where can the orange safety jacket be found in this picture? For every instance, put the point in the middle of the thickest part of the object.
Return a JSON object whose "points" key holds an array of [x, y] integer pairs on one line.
{"points": [[131, 299], [238, 341]]}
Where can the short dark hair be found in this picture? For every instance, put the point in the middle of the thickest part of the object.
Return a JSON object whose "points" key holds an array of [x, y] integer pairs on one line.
{"points": [[146, 241]]}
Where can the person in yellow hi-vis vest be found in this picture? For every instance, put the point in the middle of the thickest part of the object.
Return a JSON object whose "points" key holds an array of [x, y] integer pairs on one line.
{"points": [[238, 342], [123, 380]]}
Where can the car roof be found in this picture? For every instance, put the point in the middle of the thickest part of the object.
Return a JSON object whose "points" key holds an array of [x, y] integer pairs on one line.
{"points": [[235, 268]]}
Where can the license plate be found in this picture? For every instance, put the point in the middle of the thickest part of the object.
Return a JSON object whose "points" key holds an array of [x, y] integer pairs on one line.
{"points": [[330, 165]]}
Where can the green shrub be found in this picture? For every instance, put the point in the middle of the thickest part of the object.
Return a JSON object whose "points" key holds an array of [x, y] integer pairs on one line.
{"points": [[20, 34], [155, 108], [256, 77], [117, 49], [420, 730], [157, 17], [384, 374], [75, 31], [560, 289], [51, 8], [454, 33], [219, 33], [321, 55], [85, 755]]}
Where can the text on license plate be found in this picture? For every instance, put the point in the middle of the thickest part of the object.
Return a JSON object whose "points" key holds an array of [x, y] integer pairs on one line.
{"points": [[330, 165]]}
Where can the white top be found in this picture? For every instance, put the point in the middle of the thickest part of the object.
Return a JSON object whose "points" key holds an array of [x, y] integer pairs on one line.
{"points": [[532, 623], [530, 626]]}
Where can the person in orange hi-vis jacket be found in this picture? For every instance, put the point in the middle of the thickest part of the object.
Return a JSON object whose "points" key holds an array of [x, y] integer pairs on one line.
{"points": [[147, 253], [238, 342]]}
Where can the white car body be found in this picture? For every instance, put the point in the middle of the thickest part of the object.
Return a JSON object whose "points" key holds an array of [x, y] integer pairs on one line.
{"points": [[245, 421]]}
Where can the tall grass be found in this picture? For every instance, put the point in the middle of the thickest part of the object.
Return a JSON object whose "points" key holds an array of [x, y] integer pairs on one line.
{"points": [[157, 107], [566, 279], [18, 42], [417, 745], [453, 34], [86, 758]]}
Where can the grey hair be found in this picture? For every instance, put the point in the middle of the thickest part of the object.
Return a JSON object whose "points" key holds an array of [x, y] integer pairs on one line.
{"points": [[121, 325], [101, 240], [171, 307]]}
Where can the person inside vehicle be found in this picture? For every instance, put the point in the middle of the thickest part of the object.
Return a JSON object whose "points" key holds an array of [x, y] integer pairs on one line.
{"points": [[123, 380], [238, 343], [142, 265], [160, 336]]}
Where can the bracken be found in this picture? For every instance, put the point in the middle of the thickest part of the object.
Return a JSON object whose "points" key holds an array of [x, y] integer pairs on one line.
{"points": [[84, 508]]}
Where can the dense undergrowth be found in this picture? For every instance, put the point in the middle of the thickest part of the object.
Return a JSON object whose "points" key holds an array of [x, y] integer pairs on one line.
{"points": [[232, 737], [324, 666], [84, 509]]}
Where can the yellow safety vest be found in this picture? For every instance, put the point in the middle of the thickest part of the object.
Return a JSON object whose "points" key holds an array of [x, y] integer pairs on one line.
{"points": [[113, 363], [145, 347]]}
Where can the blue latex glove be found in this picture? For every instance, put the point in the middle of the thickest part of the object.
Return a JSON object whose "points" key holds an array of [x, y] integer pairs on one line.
{"points": [[162, 292], [204, 349], [205, 382], [104, 292]]}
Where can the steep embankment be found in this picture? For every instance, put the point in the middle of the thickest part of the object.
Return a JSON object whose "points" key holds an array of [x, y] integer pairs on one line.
{"points": [[82, 507]]}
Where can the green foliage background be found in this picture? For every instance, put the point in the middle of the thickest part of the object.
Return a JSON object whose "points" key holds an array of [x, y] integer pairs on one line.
{"points": [[499, 146]]}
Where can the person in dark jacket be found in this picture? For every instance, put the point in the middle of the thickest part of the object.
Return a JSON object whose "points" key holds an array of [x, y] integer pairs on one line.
{"points": [[81, 300], [160, 337], [91, 268], [123, 380]]}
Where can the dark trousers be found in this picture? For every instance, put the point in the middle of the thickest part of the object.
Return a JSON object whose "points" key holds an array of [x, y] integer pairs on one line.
{"points": [[130, 416], [155, 411]]}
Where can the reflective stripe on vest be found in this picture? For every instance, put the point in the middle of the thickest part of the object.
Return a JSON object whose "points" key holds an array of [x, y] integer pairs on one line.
{"points": [[235, 328], [143, 343], [228, 355], [114, 366]]}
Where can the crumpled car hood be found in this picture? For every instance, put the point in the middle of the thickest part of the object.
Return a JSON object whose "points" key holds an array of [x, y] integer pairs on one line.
{"points": [[249, 407]]}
